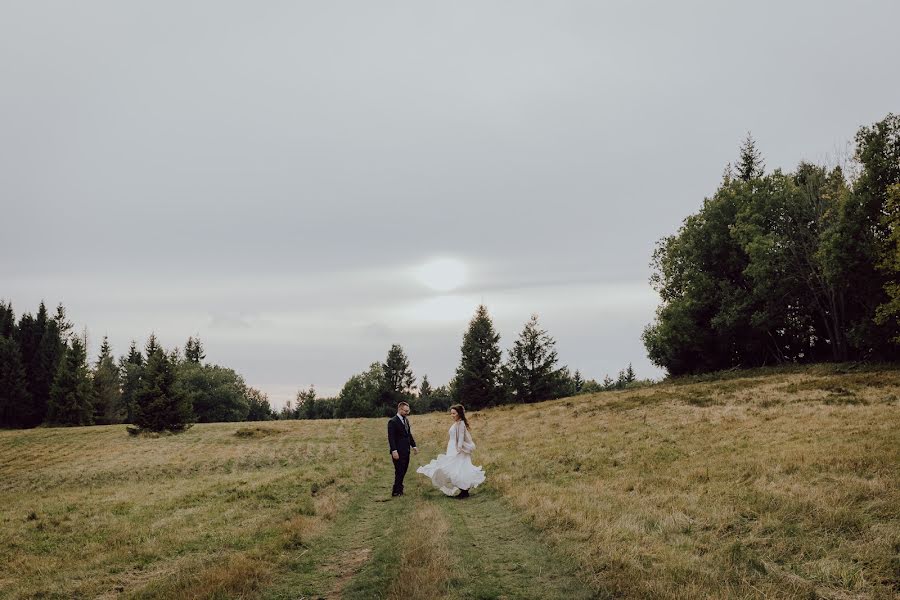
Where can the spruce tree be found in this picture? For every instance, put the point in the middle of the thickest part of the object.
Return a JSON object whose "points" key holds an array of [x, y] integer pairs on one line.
{"points": [[160, 406], [398, 378], [71, 396], [578, 381], [108, 407], [477, 383], [15, 401], [531, 368], [750, 163], [193, 350], [130, 370], [7, 320], [425, 388]]}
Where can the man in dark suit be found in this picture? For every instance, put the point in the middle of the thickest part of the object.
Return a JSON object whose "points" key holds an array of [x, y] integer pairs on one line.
{"points": [[401, 440]]}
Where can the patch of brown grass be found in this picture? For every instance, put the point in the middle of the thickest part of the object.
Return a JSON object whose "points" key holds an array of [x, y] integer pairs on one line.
{"points": [[775, 484], [425, 562], [236, 576], [114, 514]]}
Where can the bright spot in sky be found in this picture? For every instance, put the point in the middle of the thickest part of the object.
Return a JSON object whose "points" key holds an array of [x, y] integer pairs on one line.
{"points": [[442, 274]]}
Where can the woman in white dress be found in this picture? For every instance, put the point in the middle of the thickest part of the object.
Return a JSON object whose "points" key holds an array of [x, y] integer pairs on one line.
{"points": [[453, 473]]}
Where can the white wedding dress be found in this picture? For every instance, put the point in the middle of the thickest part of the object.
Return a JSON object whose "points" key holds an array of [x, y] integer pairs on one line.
{"points": [[454, 471]]}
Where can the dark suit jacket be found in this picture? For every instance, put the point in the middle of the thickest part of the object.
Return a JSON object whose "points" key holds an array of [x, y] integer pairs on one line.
{"points": [[398, 438]]}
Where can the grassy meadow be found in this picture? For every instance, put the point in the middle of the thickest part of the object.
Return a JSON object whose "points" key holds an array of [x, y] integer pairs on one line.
{"points": [[757, 484]]}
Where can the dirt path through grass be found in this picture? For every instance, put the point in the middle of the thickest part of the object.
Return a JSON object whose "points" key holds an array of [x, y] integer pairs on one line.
{"points": [[425, 545]]}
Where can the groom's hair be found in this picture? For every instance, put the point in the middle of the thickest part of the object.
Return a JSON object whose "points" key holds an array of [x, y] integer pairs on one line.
{"points": [[402, 404]]}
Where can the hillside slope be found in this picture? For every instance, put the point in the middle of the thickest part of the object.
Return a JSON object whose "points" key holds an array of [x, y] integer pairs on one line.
{"points": [[762, 484]]}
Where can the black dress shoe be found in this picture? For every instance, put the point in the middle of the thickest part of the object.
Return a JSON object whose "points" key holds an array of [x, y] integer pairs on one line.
{"points": [[463, 494]]}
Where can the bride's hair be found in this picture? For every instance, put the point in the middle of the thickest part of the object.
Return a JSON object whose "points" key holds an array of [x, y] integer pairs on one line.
{"points": [[462, 414]]}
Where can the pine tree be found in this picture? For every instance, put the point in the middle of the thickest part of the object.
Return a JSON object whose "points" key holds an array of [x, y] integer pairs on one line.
{"points": [[578, 381], [160, 406], [193, 350], [425, 389], [531, 368], [71, 396], [398, 378], [15, 401], [7, 320], [63, 325], [130, 370], [108, 407], [477, 383], [750, 163]]}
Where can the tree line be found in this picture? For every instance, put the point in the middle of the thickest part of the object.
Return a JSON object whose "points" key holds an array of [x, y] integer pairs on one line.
{"points": [[45, 379], [531, 373], [785, 267]]}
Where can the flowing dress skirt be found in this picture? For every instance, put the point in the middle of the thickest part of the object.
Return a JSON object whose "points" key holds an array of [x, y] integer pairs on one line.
{"points": [[452, 472]]}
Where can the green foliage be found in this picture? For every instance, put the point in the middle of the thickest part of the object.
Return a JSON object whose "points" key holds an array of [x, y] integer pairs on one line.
{"points": [[478, 378], [217, 394], [131, 368], [7, 320], [889, 263], [108, 407], [15, 401], [159, 404], [781, 267], [193, 350], [750, 164], [71, 395], [398, 380], [361, 395], [530, 372], [258, 405]]}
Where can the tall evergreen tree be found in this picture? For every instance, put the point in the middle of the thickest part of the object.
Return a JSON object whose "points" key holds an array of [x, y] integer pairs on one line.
{"points": [[750, 163], [193, 350], [398, 379], [477, 383], [130, 369], [531, 371], [425, 388], [41, 349], [108, 406], [71, 396], [7, 320], [15, 401], [160, 405]]}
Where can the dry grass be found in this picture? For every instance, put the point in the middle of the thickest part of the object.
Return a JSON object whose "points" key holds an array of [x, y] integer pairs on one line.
{"points": [[762, 484], [781, 486], [88, 512], [425, 562]]}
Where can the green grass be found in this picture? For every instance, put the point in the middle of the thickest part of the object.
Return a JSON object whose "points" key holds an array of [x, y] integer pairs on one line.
{"points": [[769, 483]]}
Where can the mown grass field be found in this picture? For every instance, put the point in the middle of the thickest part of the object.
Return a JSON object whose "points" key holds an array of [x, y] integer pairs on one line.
{"points": [[761, 484]]}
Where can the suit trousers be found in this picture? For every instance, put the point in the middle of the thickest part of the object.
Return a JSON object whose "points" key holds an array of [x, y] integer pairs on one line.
{"points": [[400, 467]]}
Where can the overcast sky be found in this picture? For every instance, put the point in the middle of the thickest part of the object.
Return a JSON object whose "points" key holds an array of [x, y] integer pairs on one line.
{"points": [[274, 175]]}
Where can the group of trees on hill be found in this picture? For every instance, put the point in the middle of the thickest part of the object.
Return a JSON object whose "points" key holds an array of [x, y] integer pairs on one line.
{"points": [[45, 378], [530, 374], [799, 266]]}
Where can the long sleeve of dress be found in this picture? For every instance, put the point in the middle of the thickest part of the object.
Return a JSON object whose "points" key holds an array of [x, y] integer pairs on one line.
{"points": [[464, 442]]}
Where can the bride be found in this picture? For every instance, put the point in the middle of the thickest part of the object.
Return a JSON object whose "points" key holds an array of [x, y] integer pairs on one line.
{"points": [[453, 473]]}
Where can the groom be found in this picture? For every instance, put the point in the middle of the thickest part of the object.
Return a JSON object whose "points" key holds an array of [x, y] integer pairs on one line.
{"points": [[400, 439]]}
